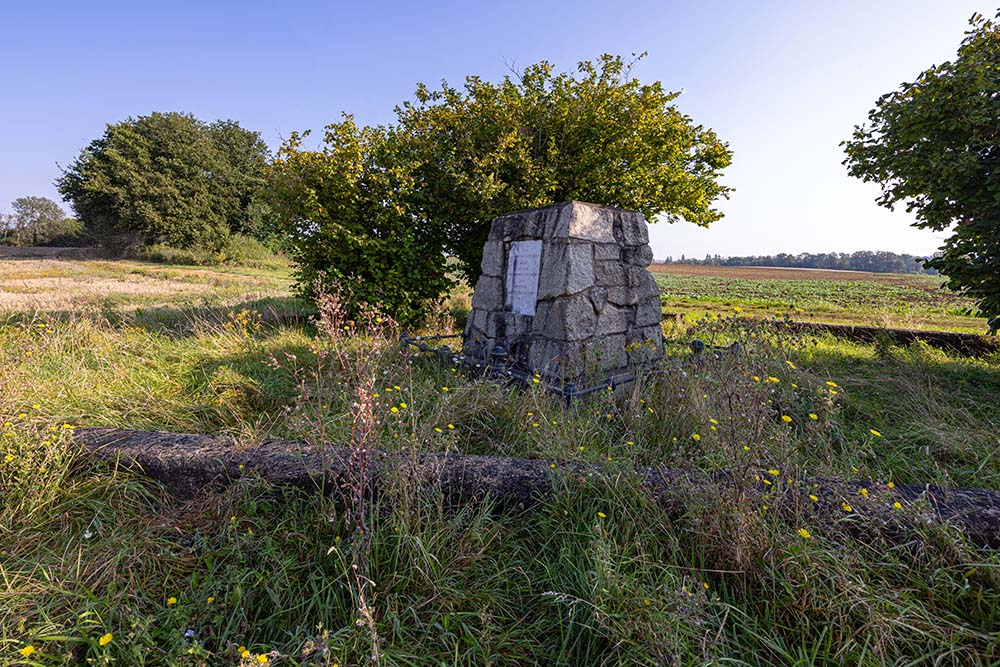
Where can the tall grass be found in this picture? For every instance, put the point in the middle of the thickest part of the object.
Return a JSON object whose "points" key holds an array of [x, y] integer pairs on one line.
{"points": [[598, 573]]}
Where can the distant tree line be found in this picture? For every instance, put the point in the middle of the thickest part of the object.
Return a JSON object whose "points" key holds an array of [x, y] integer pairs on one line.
{"points": [[878, 261], [38, 221]]}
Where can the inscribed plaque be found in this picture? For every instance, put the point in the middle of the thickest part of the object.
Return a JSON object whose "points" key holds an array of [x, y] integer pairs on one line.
{"points": [[523, 261]]}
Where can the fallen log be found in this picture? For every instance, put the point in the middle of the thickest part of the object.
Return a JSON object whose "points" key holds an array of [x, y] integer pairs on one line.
{"points": [[191, 464]]}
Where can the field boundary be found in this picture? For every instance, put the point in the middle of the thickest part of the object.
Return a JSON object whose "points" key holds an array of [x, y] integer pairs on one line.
{"points": [[965, 344]]}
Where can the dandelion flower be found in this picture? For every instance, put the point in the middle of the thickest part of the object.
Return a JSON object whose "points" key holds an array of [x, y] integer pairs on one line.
{"points": [[244, 653], [786, 418], [813, 416], [438, 430], [897, 505], [629, 442], [105, 639], [262, 658], [713, 421], [891, 485], [804, 534], [863, 492], [171, 600], [773, 472], [8, 458], [646, 602], [602, 515], [875, 433], [444, 389], [403, 406], [737, 309], [210, 599], [27, 651], [534, 425], [552, 465], [831, 384], [746, 448], [696, 437], [394, 409], [846, 507], [756, 378], [813, 497]]}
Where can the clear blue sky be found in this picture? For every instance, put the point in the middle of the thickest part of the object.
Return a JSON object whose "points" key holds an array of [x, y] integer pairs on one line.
{"points": [[783, 81]]}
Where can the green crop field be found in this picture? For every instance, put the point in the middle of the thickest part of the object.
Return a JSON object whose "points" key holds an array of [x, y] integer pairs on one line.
{"points": [[891, 300], [98, 565]]}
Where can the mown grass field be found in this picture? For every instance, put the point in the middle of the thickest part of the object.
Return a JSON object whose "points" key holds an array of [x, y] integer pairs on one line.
{"points": [[99, 566], [847, 297]]}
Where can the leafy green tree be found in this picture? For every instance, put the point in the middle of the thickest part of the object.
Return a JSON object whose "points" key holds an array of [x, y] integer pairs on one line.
{"points": [[539, 137], [344, 210], [169, 178], [34, 221], [410, 194], [935, 145]]}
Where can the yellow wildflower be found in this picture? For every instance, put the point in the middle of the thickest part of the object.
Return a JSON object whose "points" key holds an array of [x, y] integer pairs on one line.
{"points": [[262, 658], [786, 418], [737, 309], [602, 515], [444, 388], [897, 505], [863, 492], [773, 472], [804, 534], [813, 416], [790, 364], [875, 433], [695, 437], [171, 600], [8, 458], [891, 485], [210, 599], [402, 406], [831, 384], [846, 507], [105, 639], [27, 651], [394, 409], [813, 497], [244, 653]]}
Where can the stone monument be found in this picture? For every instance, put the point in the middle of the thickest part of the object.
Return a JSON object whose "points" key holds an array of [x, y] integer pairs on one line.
{"points": [[565, 293]]}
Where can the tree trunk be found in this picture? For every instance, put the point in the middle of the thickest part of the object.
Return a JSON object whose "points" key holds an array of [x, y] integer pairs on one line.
{"points": [[191, 464]]}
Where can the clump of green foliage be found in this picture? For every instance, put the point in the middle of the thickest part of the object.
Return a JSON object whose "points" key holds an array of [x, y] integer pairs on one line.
{"points": [[172, 179], [379, 208], [38, 221], [933, 144]]}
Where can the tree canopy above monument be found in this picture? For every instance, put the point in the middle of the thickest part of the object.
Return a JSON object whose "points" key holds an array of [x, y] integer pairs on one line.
{"points": [[463, 156], [538, 137]]}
